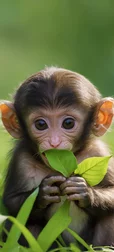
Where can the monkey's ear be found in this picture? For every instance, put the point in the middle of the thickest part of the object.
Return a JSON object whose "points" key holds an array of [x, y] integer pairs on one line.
{"points": [[9, 119], [104, 116]]}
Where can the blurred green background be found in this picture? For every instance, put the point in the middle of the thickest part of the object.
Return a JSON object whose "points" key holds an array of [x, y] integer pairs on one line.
{"points": [[74, 34]]}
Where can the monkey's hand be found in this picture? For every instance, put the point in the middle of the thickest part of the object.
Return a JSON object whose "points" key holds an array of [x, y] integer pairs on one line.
{"points": [[77, 190], [49, 191]]}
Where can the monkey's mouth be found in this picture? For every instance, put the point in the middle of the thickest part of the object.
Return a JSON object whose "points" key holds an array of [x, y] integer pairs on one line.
{"points": [[44, 158], [43, 155]]}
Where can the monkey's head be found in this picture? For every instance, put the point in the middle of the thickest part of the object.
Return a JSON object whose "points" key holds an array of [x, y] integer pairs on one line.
{"points": [[57, 108]]}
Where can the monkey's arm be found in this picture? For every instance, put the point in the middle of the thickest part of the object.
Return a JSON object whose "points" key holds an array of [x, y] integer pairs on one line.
{"points": [[97, 199], [25, 174], [16, 190]]}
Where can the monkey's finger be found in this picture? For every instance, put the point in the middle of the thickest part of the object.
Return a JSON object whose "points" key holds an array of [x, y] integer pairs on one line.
{"points": [[52, 199], [51, 190], [73, 190], [76, 179], [53, 179], [77, 196], [69, 183]]}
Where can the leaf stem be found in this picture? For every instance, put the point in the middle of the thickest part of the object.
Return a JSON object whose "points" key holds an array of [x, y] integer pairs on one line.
{"points": [[79, 239]]}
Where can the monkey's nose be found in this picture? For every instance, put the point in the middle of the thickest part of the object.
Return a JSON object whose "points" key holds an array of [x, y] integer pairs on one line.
{"points": [[54, 145], [55, 142]]}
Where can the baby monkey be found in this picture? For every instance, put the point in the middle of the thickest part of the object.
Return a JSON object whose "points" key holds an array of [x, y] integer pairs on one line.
{"points": [[61, 109]]}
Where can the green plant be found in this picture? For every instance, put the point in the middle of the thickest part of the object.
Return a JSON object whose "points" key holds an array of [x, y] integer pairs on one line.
{"points": [[92, 169], [59, 160]]}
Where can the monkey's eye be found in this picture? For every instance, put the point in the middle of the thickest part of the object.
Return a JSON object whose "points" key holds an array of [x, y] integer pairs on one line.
{"points": [[40, 124], [68, 123]]}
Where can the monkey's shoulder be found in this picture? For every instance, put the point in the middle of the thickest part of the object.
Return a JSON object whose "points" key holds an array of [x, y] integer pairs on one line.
{"points": [[27, 163]]}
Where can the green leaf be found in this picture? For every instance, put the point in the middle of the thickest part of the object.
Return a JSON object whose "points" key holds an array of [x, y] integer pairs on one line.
{"points": [[63, 161], [55, 226], [61, 241], [22, 217], [29, 237], [60, 247], [23, 249], [15, 249], [74, 248], [80, 240], [18, 248], [93, 169]]}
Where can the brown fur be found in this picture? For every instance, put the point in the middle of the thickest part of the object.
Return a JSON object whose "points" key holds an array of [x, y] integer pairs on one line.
{"points": [[54, 91]]}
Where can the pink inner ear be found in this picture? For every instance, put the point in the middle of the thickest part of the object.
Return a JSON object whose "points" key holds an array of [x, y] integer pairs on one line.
{"points": [[100, 118], [107, 105], [9, 116], [10, 121], [105, 113], [104, 118], [4, 110]]}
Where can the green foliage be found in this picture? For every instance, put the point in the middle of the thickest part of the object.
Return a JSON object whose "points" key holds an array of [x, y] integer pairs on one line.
{"points": [[57, 224], [77, 35], [31, 240], [52, 230], [80, 240], [19, 227], [93, 169], [21, 218], [62, 160]]}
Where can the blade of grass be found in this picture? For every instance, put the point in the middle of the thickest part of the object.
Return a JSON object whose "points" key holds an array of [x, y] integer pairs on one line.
{"points": [[79, 239], [56, 225], [31, 240], [61, 241], [22, 217], [59, 249], [23, 249], [74, 248]]}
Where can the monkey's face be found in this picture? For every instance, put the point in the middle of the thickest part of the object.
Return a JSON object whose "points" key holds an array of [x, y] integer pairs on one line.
{"points": [[58, 109], [56, 128]]}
